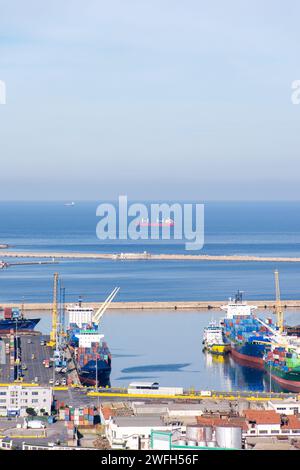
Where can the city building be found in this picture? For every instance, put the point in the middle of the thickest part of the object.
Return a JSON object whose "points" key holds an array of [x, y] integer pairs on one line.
{"points": [[15, 399], [269, 423], [133, 432], [287, 407]]}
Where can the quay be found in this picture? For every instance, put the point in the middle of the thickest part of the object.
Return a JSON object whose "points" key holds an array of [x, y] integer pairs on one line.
{"points": [[203, 305], [33, 351], [147, 256]]}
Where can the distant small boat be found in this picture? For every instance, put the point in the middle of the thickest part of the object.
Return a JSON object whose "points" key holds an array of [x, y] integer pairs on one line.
{"points": [[70, 203]]}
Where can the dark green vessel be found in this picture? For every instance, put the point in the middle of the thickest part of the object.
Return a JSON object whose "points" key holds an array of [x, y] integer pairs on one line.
{"points": [[283, 364]]}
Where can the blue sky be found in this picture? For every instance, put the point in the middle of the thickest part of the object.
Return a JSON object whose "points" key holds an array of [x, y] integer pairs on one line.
{"points": [[154, 99]]}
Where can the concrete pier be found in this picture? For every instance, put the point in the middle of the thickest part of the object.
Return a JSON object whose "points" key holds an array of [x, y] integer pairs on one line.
{"points": [[158, 305], [146, 256]]}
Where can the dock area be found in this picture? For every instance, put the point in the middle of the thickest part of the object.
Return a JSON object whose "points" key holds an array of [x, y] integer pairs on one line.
{"points": [[34, 351]]}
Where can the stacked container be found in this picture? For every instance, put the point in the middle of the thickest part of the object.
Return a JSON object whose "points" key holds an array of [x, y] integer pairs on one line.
{"points": [[78, 416], [7, 313]]}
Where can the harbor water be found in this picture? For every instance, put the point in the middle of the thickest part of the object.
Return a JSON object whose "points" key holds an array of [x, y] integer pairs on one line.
{"points": [[165, 346]]}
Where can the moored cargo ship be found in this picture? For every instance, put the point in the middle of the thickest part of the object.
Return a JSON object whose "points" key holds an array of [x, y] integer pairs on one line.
{"points": [[282, 363], [92, 354], [247, 336], [15, 320]]}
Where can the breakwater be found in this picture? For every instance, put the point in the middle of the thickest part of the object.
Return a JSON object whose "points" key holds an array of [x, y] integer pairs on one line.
{"points": [[157, 305], [147, 256]]}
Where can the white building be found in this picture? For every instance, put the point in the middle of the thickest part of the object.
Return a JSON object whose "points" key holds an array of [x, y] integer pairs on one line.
{"points": [[265, 423], [133, 432], [287, 407], [14, 399]]}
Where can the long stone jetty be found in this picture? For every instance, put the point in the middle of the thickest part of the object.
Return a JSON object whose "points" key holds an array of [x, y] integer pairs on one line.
{"points": [[146, 256], [158, 305]]}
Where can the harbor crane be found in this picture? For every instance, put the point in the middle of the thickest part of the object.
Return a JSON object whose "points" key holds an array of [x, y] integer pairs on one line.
{"points": [[103, 307], [53, 333], [56, 330], [279, 311]]}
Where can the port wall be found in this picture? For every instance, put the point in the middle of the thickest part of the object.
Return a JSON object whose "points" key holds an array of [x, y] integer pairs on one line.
{"points": [[170, 305], [146, 256]]}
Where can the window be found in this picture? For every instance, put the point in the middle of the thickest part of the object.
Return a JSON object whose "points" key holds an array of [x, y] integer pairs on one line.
{"points": [[35, 393], [2, 400], [2, 393], [263, 431], [274, 431]]}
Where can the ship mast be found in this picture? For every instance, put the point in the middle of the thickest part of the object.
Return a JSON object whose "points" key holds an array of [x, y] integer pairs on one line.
{"points": [[279, 311]]}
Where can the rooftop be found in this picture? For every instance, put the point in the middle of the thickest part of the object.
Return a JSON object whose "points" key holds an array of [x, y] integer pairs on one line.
{"points": [[138, 421], [227, 422], [262, 416], [293, 422]]}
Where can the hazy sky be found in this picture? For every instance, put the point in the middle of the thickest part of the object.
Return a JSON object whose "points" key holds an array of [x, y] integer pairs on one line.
{"points": [[150, 98]]}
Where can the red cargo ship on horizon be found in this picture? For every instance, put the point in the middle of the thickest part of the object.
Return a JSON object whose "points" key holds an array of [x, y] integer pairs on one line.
{"points": [[158, 223]]}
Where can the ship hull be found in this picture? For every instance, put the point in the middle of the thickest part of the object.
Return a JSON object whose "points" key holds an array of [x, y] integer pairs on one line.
{"points": [[88, 374], [288, 380], [218, 349], [252, 354], [19, 325]]}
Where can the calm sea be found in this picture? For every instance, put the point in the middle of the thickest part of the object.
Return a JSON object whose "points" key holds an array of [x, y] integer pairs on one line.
{"points": [[165, 346], [271, 229]]}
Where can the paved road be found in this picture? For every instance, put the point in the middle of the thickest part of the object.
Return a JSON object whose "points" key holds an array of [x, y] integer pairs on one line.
{"points": [[31, 345]]}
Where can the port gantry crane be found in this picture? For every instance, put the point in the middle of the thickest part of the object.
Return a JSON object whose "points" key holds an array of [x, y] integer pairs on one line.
{"points": [[279, 310], [56, 329], [53, 333]]}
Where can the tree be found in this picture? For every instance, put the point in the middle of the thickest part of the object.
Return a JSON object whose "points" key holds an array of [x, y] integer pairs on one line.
{"points": [[31, 411]]}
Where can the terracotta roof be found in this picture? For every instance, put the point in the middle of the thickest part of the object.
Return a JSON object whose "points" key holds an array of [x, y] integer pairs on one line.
{"points": [[293, 423], [228, 421], [107, 412], [262, 416]]}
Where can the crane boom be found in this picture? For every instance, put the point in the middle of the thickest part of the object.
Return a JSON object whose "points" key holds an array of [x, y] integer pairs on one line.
{"points": [[277, 337], [100, 312]]}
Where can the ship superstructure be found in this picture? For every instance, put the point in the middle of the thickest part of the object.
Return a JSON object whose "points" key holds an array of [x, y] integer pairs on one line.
{"points": [[213, 339]]}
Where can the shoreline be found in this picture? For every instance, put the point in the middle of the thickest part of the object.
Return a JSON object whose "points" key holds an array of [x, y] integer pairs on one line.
{"points": [[157, 305]]}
